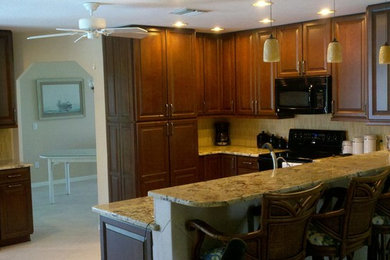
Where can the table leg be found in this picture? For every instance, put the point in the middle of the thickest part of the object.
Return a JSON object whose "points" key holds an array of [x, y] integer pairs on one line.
{"points": [[50, 178], [67, 178]]}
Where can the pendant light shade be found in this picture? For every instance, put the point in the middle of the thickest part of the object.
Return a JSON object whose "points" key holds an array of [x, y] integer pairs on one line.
{"points": [[384, 54], [271, 50], [334, 54]]}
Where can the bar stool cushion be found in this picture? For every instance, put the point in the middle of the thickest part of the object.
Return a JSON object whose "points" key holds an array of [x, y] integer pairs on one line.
{"points": [[213, 254], [318, 238], [381, 220]]}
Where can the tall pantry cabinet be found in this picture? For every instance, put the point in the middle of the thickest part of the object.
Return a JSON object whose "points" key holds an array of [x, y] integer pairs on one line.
{"points": [[151, 113]]}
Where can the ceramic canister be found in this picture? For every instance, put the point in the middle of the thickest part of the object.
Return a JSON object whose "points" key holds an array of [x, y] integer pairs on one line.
{"points": [[369, 143], [347, 147], [357, 145]]}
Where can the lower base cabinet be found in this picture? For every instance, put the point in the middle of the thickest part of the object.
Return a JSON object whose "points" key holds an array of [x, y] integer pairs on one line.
{"points": [[119, 240], [16, 219]]}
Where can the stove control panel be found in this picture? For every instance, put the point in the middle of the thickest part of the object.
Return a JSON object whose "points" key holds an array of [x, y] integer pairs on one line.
{"points": [[316, 139]]}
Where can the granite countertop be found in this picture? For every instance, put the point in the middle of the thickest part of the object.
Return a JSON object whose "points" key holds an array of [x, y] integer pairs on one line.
{"points": [[137, 211], [233, 150], [225, 191], [8, 165]]}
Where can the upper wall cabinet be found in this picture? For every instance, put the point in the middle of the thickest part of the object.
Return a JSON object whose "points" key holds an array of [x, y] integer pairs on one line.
{"points": [[215, 73], [349, 77], [254, 78], [378, 74], [303, 49], [164, 75], [7, 82]]}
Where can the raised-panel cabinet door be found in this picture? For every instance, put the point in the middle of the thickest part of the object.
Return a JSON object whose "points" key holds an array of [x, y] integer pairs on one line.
{"points": [[114, 161], [181, 71], [7, 85], [212, 83], [228, 165], [183, 146], [150, 77], [152, 156], [245, 92], [15, 210], [316, 37], [128, 175], [290, 44], [227, 73], [349, 77], [199, 74], [265, 78], [212, 167]]}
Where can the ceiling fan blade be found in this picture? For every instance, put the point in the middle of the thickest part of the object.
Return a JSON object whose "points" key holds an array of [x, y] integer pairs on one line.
{"points": [[126, 32], [127, 29], [71, 30], [81, 37], [51, 35]]}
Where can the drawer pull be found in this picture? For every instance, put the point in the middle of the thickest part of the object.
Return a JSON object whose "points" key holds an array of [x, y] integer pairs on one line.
{"points": [[14, 176], [14, 185], [248, 163]]}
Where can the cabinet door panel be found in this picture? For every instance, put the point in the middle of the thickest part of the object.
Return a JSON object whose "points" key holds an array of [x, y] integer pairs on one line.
{"points": [[349, 77], [212, 167], [15, 210], [212, 84], [183, 143], [316, 37], [199, 74], [181, 81], [245, 93], [150, 76], [153, 156], [227, 73], [7, 85], [113, 151], [290, 40], [228, 165], [265, 78]]}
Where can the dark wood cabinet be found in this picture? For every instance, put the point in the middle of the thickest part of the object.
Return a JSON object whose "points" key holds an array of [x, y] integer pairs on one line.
{"points": [[349, 77], [303, 48], [254, 77], [16, 219], [216, 84], [119, 240], [217, 166], [167, 154], [7, 82]]}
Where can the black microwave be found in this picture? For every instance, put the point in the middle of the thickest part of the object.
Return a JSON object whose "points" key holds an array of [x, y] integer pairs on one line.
{"points": [[303, 95]]}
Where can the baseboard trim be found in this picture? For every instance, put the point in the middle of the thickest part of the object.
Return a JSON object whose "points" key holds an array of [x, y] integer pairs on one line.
{"points": [[62, 181]]}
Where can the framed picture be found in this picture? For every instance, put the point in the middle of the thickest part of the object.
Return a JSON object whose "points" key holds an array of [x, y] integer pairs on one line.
{"points": [[60, 98]]}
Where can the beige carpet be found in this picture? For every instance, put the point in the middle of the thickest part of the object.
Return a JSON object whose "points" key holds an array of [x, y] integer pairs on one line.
{"points": [[67, 229]]}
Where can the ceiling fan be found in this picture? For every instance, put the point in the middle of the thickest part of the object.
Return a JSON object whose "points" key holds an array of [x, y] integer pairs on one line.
{"points": [[93, 27]]}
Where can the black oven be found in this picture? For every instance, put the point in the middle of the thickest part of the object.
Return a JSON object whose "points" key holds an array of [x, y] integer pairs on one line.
{"points": [[304, 95]]}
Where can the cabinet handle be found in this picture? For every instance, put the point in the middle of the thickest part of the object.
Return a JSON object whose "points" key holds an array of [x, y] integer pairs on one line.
{"points": [[256, 108], [332, 108], [303, 67], [171, 105], [365, 108], [168, 131], [253, 106], [171, 128], [166, 110], [14, 176], [15, 115], [14, 185], [247, 163], [299, 67]]}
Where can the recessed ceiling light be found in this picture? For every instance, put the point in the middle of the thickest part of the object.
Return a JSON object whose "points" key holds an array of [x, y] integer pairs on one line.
{"points": [[217, 29], [262, 3], [325, 11], [267, 20], [180, 24]]}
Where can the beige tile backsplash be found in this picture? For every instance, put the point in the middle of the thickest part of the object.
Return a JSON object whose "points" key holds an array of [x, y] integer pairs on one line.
{"points": [[6, 144], [244, 131]]}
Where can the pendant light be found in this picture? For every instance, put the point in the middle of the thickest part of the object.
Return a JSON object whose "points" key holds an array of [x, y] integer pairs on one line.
{"points": [[271, 45], [334, 53]]}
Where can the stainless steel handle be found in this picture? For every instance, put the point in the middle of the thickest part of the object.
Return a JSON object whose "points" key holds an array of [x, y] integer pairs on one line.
{"points": [[253, 106], [204, 106], [247, 163], [166, 110], [299, 67], [15, 115], [168, 131], [14, 176], [303, 67], [171, 105], [14, 185], [171, 128], [256, 108]]}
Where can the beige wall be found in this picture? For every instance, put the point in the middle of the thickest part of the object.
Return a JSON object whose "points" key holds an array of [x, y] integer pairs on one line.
{"points": [[244, 131], [88, 54]]}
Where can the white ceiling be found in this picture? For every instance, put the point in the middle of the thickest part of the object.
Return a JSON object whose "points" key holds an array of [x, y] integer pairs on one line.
{"points": [[233, 15]]}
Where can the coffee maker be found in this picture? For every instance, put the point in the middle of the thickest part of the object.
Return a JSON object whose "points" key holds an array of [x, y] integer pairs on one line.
{"points": [[222, 133]]}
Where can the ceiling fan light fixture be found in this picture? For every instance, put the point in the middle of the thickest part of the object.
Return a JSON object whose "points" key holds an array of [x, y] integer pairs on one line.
{"points": [[267, 20], [262, 3], [271, 50], [217, 29], [326, 11], [384, 54], [180, 24], [334, 53], [92, 23]]}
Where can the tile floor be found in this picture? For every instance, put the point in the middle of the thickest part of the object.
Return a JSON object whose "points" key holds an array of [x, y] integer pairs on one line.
{"points": [[66, 230]]}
